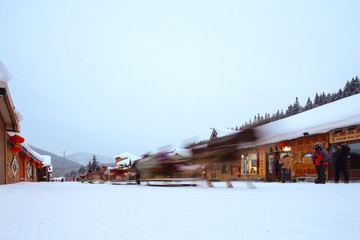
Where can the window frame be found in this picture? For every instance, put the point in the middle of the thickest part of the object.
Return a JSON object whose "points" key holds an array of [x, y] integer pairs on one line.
{"points": [[246, 161]]}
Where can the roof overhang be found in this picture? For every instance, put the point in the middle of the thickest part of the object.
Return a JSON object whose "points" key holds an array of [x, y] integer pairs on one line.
{"points": [[7, 109]]}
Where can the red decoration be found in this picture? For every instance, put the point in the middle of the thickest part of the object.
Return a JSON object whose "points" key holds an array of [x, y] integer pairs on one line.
{"points": [[15, 150], [283, 144], [25, 157], [32, 161], [17, 139]]}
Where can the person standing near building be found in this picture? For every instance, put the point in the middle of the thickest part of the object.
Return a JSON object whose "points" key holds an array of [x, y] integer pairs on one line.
{"points": [[285, 163], [320, 157], [340, 157]]}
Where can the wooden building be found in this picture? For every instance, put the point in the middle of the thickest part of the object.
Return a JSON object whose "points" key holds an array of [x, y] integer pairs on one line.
{"points": [[258, 159], [17, 161], [26, 165], [9, 122]]}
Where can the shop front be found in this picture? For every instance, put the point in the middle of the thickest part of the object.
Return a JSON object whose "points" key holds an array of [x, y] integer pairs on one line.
{"points": [[302, 149], [350, 136]]}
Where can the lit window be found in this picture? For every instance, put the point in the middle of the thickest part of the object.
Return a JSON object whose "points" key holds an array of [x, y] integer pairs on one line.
{"points": [[249, 164]]}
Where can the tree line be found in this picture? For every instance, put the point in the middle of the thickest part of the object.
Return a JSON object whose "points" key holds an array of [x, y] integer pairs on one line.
{"points": [[92, 167], [351, 88]]}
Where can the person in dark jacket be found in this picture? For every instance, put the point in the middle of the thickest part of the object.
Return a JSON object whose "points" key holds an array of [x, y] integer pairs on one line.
{"points": [[320, 158], [340, 158]]}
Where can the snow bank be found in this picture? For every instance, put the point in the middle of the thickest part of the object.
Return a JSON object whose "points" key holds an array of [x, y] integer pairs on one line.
{"points": [[55, 211]]}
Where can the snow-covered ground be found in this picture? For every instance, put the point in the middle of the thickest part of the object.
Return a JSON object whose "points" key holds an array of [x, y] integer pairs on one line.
{"points": [[94, 211]]}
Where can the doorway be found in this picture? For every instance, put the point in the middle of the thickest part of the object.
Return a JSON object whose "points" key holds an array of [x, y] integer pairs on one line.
{"points": [[271, 167]]}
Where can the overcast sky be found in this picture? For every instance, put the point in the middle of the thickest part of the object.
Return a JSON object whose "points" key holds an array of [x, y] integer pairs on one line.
{"points": [[113, 76]]}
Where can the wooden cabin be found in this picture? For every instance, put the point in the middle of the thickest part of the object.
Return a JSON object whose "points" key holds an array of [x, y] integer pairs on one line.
{"points": [[17, 161], [231, 157], [9, 122]]}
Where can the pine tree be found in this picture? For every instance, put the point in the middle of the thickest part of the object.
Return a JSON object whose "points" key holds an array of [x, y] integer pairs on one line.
{"points": [[296, 107], [277, 116], [328, 98], [347, 90], [94, 165], [82, 170], [282, 115], [89, 167], [322, 99], [289, 111], [316, 101], [356, 85], [308, 105]]}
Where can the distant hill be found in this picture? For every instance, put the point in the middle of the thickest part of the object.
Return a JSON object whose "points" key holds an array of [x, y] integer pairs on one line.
{"points": [[60, 165], [84, 158]]}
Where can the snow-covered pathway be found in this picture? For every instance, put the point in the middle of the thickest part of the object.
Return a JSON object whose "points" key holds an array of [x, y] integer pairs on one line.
{"points": [[54, 211]]}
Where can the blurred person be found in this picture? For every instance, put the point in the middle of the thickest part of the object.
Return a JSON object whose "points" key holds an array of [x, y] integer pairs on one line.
{"points": [[320, 158], [285, 163], [340, 158]]}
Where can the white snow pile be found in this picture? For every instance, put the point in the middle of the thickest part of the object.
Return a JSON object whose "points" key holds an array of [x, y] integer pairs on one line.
{"points": [[295, 211], [5, 75], [128, 157], [182, 152]]}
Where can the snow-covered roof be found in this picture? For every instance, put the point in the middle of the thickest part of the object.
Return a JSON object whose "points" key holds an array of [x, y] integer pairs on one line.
{"points": [[32, 152], [128, 157], [46, 159], [336, 115], [222, 132], [28, 149], [181, 151]]}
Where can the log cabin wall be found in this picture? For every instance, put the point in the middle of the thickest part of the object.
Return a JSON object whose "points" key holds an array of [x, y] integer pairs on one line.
{"points": [[13, 166], [302, 149]]}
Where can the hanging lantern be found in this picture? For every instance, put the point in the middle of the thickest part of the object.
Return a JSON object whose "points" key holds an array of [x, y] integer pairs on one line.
{"points": [[17, 139], [25, 157], [283, 144], [16, 149], [32, 161]]}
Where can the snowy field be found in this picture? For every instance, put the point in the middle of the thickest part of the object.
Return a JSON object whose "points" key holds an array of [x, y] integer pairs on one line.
{"points": [[54, 211]]}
